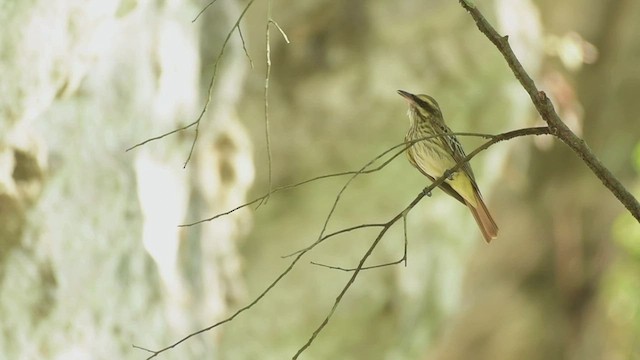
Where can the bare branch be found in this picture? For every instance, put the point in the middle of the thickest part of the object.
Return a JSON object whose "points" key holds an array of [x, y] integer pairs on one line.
{"points": [[352, 279], [406, 241], [286, 187], [203, 10], [244, 46], [546, 110], [325, 237], [214, 76], [209, 90], [405, 145], [197, 132], [161, 136], [142, 348], [284, 35], [267, 77], [401, 260], [230, 318], [345, 230]]}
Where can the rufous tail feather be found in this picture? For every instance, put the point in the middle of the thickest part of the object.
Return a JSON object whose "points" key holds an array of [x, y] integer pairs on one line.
{"points": [[482, 216]]}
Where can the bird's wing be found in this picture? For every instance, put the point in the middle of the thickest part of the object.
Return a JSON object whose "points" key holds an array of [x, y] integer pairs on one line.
{"points": [[457, 152]]}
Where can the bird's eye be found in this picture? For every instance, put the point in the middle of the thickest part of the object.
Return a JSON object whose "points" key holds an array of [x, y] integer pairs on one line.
{"points": [[428, 104]]}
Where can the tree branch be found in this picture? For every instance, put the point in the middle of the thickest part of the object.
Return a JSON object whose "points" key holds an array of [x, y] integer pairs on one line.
{"points": [[546, 110], [212, 82], [364, 170]]}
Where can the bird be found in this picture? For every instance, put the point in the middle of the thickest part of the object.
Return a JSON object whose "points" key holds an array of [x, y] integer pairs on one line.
{"points": [[441, 151]]}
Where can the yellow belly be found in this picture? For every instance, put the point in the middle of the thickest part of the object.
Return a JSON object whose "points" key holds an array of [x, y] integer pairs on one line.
{"points": [[435, 166]]}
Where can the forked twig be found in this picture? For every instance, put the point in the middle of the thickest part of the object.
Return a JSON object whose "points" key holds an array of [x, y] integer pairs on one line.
{"points": [[401, 260], [203, 10], [209, 90]]}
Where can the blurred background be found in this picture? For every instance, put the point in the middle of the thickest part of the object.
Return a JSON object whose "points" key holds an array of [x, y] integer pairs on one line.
{"points": [[91, 258]]}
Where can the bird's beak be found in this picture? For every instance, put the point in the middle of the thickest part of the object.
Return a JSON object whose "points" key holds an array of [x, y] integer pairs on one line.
{"points": [[409, 96]]}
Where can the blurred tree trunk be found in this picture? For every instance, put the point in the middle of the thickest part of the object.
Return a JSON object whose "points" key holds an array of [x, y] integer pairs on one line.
{"points": [[83, 81]]}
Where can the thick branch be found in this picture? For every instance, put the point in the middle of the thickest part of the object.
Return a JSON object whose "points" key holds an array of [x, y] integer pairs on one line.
{"points": [[547, 112]]}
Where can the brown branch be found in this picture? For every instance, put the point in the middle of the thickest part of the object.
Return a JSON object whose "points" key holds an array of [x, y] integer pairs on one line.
{"points": [[203, 10], [244, 46], [403, 259], [162, 136], [212, 82], [326, 176], [267, 77], [291, 186], [546, 110]]}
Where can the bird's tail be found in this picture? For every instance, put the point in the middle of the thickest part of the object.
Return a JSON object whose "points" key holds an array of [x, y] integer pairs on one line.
{"points": [[485, 222]]}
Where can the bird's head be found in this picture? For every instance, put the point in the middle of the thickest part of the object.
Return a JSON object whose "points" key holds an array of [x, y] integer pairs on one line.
{"points": [[423, 102]]}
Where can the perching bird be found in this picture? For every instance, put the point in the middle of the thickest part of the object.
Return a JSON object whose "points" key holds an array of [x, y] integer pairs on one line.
{"points": [[440, 152]]}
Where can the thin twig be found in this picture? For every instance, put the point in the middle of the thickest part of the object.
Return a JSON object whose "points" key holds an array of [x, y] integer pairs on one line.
{"points": [[550, 116], [142, 348], [401, 260], [267, 133], [266, 97], [349, 229], [406, 239], [355, 274], [244, 46], [214, 76], [291, 186], [161, 136], [209, 90], [369, 171], [203, 10], [284, 35], [233, 316], [195, 135]]}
